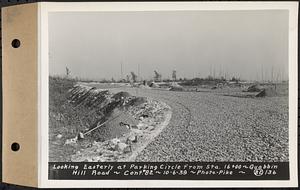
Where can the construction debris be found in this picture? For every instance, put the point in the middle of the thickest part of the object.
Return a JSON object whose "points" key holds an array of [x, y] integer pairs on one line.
{"points": [[176, 88], [80, 136], [115, 130], [113, 143], [132, 138], [154, 85], [71, 141], [144, 86], [121, 147], [121, 96], [267, 92], [254, 88]]}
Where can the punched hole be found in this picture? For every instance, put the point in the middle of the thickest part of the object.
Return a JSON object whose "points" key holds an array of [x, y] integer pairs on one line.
{"points": [[15, 146], [15, 43]]}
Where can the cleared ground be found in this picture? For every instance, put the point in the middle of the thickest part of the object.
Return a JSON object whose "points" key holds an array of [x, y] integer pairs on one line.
{"points": [[211, 127]]}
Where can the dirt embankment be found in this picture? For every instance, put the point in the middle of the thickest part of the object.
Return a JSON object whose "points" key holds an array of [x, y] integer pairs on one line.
{"points": [[152, 117], [84, 119]]}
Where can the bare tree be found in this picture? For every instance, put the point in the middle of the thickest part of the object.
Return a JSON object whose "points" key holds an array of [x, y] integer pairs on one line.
{"points": [[174, 76], [128, 78], [68, 72], [157, 76], [133, 76]]}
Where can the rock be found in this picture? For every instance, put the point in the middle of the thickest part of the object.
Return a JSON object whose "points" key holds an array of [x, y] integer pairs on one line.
{"points": [[80, 136], [140, 126], [113, 142], [127, 149], [100, 151], [59, 136], [97, 158], [132, 138], [144, 116], [101, 160], [134, 127], [89, 145], [116, 155], [122, 124], [109, 154], [121, 146], [71, 141], [150, 128]]}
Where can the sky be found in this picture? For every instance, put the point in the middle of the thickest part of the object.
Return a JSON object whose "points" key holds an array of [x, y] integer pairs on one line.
{"points": [[103, 45]]}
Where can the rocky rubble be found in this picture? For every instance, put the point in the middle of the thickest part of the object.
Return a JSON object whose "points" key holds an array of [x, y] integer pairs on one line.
{"points": [[151, 115], [89, 96], [105, 106]]}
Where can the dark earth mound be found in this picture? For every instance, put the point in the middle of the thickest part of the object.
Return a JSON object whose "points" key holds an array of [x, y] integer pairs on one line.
{"points": [[77, 108]]}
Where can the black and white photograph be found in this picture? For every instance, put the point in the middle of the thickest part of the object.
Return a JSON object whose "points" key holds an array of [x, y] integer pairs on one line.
{"points": [[168, 86]]}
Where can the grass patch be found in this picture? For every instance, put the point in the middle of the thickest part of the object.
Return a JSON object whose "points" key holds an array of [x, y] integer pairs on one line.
{"points": [[65, 119]]}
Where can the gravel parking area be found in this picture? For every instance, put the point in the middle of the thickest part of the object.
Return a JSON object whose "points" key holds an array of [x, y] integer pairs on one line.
{"points": [[211, 127]]}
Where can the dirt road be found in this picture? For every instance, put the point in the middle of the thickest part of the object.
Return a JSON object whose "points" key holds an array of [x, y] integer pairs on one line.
{"points": [[210, 127]]}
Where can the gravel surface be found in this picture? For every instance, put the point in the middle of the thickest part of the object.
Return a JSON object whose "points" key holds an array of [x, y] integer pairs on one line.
{"points": [[211, 127]]}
